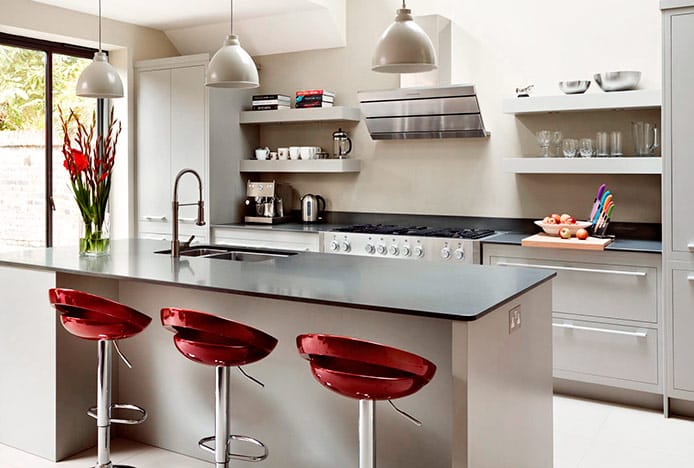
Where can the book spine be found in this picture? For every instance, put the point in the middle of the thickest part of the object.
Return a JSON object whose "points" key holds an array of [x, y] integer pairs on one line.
{"points": [[314, 98], [269, 107], [313, 92], [266, 97], [309, 105], [269, 102]]}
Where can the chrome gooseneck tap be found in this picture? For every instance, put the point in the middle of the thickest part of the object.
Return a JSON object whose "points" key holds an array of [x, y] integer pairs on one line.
{"points": [[175, 244]]}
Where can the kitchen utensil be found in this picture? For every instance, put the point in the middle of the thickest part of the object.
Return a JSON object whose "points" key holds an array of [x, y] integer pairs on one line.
{"points": [[556, 141], [602, 144], [282, 153], [596, 203], [606, 194], [311, 210], [294, 152], [308, 152], [342, 144], [544, 138], [616, 144], [569, 147], [574, 87], [617, 81], [265, 202], [585, 147], [262, 153], [645, 138], [553, 229]]}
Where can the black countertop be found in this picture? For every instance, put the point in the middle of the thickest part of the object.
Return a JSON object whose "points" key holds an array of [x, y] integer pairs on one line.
{"points": [[448, 291], [625, 245]]}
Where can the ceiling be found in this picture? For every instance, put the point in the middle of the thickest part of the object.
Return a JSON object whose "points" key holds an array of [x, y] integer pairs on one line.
{"points": [[175, 14]]}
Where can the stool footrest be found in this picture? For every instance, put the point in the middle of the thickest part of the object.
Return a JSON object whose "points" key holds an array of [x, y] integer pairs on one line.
{"points": [[117, 406], [203, 444]]}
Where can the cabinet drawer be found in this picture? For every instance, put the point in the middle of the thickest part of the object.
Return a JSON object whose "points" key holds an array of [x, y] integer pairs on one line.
{"points": [[606, 350], [683, 329], [622, 292], [287, 240]]}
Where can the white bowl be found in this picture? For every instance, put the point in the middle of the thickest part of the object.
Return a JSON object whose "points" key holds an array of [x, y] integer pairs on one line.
{"points": [[553, 229]]}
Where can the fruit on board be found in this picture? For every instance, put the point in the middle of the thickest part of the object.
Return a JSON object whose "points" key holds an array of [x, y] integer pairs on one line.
{"points": [[582, 234], [565, 233]]}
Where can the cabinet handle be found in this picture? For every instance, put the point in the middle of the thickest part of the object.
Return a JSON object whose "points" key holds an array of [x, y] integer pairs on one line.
{"points": [[154, 218], [187, 220], [690, 247], [571, 326], [690, 278], [582, 270]]}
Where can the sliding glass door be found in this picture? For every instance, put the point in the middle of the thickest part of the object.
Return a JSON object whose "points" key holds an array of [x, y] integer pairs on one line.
{"points": [[36, 204]]}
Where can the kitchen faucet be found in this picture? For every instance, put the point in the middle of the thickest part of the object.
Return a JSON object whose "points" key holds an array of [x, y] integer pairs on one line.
{"points": [[175, 244]]}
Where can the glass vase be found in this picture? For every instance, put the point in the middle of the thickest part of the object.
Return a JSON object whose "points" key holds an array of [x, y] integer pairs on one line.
{"points": [[95, 240]]}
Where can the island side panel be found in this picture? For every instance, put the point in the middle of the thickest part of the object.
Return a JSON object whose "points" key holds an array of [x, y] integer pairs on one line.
{"points": [[509, 385], [27, 362], [303, 423]]}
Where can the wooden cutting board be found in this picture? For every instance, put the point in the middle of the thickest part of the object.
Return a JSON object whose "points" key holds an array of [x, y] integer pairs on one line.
{"points": [[555, 242]]}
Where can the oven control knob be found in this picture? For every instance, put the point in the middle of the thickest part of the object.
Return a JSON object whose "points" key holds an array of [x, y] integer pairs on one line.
{"points": [[459, 254], [334, 246], [406, 251], [369, 248], [445, 252], [381, 249], [393, 250], [346, 246], [418, 251]]}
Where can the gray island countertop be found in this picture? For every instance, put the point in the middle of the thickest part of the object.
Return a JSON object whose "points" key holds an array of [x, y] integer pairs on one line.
{"points": [[454, 292]]}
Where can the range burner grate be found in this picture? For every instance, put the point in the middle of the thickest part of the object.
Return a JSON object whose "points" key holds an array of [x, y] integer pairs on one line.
{"points": [[422, 231]]}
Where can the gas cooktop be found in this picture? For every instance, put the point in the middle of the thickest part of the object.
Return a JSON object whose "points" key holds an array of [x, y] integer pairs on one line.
{"points": [[416, 231]]}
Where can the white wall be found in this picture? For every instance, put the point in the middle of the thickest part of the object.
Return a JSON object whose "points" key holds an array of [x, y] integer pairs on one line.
{"points": [[499, 45], [127, 43]]}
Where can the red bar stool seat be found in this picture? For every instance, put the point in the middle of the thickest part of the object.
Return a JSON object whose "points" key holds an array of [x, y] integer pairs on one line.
{"points": [[96, 318], [215, 341], [366, 371]]}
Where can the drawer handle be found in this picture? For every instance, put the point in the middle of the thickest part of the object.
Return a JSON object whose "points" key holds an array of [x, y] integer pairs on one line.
{"points": [[583, 270], [690, 278], [690, 246], [571, 326], [187, 220], [154, 218]]}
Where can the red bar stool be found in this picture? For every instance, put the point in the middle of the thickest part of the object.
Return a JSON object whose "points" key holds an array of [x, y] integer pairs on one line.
{"points": [[368, 372], [96, 318], [216, 341]]}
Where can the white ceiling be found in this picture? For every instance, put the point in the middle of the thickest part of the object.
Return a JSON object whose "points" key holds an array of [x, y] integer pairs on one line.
{"points": [[175, 14]]}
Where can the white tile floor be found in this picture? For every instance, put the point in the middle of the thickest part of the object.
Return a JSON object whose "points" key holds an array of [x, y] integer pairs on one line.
{"points": [[587, 434]]}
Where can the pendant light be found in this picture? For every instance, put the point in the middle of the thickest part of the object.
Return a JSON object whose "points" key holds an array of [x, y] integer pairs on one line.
{"points": [[231, 66], [100, 79], [404, 47]]}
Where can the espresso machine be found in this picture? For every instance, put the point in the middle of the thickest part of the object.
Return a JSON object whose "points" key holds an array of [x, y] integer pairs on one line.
{"points": [[266, 202]]}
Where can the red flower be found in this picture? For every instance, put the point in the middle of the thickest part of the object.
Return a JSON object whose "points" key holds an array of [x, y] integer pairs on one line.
{"points": [[80, 160]]}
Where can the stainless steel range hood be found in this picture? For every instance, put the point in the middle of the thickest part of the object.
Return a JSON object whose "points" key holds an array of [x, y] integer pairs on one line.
{"points": [[411, 113]]}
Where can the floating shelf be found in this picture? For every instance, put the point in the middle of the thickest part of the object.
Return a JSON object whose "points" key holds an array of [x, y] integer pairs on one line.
{"points": [[312, 166], [623, 165], [596, 101], [317, 114]]}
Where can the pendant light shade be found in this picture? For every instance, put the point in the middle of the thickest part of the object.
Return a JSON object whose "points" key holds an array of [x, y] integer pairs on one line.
{"points": [[404, 47], [232, 66], [100, 80]]}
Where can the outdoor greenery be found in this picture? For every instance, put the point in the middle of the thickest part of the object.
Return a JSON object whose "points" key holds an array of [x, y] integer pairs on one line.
{"points": [[22, 83]]}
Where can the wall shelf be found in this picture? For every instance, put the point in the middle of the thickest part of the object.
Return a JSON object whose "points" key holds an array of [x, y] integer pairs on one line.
{"points": [[596, 101], [317, 114], [622, 165], [299, 166]]}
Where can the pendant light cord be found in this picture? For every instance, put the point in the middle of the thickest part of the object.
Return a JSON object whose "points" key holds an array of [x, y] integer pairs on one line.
{"points": [[231, 18], [403, 4], [100, 25]]}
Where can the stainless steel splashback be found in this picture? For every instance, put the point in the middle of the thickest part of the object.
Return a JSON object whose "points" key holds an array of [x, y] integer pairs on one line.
{"points": [[409, 113]]}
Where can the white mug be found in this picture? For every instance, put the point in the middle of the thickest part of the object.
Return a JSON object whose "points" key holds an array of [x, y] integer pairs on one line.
{"points": [[308, 152], [294, 152], [282, 153], [262, 153]]}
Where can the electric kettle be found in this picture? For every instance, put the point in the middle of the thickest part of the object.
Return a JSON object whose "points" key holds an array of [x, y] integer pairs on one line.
{"points": [[311, 210], [342, 145]]}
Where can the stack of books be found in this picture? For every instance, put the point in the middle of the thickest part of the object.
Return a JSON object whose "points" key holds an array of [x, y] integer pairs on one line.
{"points": [[314, 98], [271, 102]]}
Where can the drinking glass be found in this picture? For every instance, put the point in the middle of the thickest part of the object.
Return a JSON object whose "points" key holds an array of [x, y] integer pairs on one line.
{"points": [[602, 145], [569, 147], [585, 147], [556, 141], [616, 144], [544, 138]]}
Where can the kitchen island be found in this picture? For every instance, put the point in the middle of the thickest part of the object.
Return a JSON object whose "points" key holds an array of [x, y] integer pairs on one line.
{"points": [[489, 405]]}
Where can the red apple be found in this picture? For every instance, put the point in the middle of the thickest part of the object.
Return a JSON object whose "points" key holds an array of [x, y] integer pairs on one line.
{"points": [[564, 218], [582, 234], [557, 218], [549, 220], [570, 221], [565, 233]]}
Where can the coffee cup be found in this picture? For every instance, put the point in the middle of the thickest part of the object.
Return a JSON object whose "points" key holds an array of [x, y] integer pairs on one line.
{"points": [[282, 153], [308, 152], [273, 155], [294, 152], [262, 153]]}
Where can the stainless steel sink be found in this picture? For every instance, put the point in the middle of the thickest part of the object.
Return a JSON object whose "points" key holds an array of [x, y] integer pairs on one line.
{"points": [[238, 254]]}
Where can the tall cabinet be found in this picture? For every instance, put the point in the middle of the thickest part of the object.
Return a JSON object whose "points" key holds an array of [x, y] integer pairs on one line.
{"points": [[678, 195], [182, 124]]}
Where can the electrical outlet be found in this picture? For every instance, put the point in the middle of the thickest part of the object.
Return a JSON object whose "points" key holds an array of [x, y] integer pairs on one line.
{"points": [[514, 319]]}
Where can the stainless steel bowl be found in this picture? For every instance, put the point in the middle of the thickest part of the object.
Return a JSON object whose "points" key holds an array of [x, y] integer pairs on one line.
{"points": [[574, 87], [618, 81]]}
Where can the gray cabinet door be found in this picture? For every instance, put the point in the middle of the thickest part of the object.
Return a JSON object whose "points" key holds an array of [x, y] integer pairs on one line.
{"points": [[682, 130]]}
